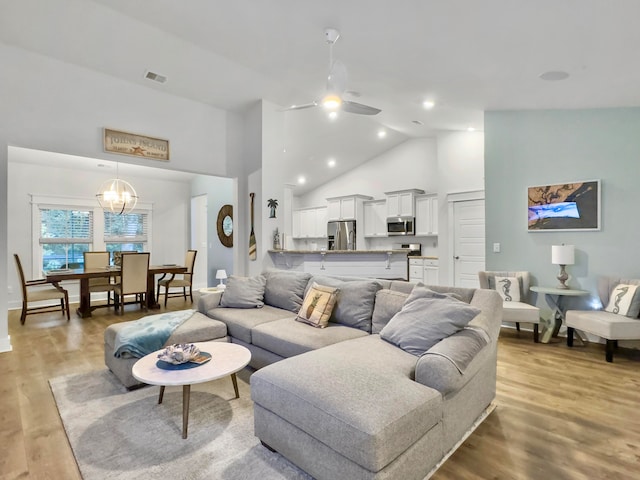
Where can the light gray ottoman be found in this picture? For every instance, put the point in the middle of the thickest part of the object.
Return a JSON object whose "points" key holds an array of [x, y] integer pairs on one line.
{"points": [[198, 328]]}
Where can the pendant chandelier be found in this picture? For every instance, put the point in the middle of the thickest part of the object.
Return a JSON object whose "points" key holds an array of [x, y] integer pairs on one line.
{"points": [[117, 196]]}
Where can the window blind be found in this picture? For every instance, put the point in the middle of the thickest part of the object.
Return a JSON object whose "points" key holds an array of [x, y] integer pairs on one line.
{"points": [[126, 228], [61, 225]]}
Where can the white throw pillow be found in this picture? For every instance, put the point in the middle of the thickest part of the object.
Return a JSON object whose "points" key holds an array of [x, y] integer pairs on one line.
{"points": [[620, 299], [508, 288]]}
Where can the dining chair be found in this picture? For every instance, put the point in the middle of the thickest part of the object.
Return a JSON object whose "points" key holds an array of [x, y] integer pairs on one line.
{"points": [[38, 294], [99, 285], [185, 282], [133, 279]]}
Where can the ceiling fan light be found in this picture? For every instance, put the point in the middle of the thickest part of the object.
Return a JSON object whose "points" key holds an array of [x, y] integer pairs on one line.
{"points": [[331, 101]]}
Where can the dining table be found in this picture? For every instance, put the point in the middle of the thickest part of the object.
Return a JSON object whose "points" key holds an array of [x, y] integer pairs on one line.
{"points": [[85, 274]]}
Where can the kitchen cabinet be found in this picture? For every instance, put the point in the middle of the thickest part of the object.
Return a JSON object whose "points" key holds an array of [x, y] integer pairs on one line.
{"points": [[402, 202], [425, 270], [310, 222], [426, 214], [375, 221], [346, 208]]}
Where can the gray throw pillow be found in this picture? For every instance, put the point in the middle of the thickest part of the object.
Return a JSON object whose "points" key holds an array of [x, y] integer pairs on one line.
{"points": [[388, 303], [285, 289], [426, 318], [244, 292], [355, 301]]}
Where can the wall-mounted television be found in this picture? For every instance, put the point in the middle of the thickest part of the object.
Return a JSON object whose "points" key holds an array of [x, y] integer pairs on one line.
{"points": [[564, 206]]}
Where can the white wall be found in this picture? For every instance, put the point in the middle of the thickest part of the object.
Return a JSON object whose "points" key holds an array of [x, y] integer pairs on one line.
{"points": [[170, 219], [412, 164], [460, 169], [54, 106]]}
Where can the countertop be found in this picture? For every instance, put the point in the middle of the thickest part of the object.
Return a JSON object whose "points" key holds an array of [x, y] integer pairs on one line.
{"points": [[423, 257], [343, 252]]}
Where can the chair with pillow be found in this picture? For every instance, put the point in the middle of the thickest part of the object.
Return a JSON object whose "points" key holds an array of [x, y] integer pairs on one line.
{"points": [[617, 321], [513, 287]]}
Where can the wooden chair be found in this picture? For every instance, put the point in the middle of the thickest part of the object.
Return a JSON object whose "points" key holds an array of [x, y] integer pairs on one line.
{"points": [[517, 312], [30, 294], [184, 282], [133, 279], [99, 285]]}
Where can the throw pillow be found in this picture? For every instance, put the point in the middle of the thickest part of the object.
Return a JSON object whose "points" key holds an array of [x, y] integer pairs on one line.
{"points": [[426, 318], [318, 305], [244, 292], [621, 299], [508, 288], [285, 289], [355, 301]]}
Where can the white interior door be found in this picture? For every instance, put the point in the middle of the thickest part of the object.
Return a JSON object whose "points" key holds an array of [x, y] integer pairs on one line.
{"points": [[469, 240], [199, 240]]}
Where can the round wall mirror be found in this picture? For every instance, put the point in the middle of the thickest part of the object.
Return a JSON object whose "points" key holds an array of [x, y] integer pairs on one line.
{"points": [[225, 225]]}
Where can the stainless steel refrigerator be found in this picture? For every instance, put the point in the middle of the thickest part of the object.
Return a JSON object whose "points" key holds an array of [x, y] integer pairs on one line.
{"points": [[341, 235]]}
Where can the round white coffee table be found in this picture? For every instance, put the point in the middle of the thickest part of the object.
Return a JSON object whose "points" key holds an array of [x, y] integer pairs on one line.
{"points": [[226, 359]]}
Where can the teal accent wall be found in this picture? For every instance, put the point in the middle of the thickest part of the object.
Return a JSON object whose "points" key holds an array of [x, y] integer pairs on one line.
{"points": [[528, 148]]}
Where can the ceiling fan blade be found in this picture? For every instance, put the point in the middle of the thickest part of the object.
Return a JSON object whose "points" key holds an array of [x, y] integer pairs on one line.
{"points": [[301, 107], [360, 109]]}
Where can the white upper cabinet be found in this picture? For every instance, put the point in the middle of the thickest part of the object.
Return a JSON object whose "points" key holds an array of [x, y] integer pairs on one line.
{"points": [[426, 214], [402, 202], [375, 221], [345, 208], [310, 222]]}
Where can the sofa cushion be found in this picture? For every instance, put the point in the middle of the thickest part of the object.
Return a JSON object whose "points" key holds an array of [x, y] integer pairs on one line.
{"points": [[287, 337], [318, 305], [624, 300], [520, 312], [240, 321], [372, 413], [388, 303], [426, 318], [285, 289], [508, 288], [354, 304], [244, 292]]}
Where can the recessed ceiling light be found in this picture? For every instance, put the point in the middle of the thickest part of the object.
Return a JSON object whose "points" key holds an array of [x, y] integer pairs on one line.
{"points": [[302, 180], [554, 75], [428, 104], [331, 162], [382, 133], [471, 129], [333, 115]]}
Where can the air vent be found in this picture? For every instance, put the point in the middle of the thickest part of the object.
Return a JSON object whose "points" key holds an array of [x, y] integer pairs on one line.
{"points": [[417, 122], [155, 77]]}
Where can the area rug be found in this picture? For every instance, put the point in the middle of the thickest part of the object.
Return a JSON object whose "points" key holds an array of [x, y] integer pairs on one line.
{"points": [[117, 434]]}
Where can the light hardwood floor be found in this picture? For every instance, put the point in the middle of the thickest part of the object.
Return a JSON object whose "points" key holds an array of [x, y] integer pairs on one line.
{"points": [[561, 413]]}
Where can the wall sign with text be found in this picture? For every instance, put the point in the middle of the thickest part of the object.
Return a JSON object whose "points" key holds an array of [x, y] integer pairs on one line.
{"points": [[125, 143]]}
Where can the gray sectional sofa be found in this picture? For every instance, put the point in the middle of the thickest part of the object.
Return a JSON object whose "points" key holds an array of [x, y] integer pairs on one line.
{"points": [[350, 400]]}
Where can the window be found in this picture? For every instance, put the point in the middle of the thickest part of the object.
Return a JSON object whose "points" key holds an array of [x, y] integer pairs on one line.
{"points": [[65, 234], [126, 232]]}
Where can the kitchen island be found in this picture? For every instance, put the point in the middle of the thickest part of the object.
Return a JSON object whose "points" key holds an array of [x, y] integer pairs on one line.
{"points": [[389, 264]]}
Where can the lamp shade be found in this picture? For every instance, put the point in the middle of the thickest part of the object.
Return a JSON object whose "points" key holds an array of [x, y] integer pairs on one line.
{"points": [[563, 254], [221, 274]]}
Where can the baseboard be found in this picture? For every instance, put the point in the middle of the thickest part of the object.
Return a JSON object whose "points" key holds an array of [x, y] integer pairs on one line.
{"points": [[481, 418], [5, 344]]}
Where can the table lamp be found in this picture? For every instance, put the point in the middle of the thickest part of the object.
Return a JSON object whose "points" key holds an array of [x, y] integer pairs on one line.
{"points": [[563, 255], [221, 275]]}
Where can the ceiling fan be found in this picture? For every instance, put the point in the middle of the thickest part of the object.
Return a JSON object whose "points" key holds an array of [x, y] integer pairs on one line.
{"points": [[336, 85]]}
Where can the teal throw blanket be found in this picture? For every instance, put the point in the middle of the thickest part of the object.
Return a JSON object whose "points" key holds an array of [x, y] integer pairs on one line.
{"points": [[148, 334]]}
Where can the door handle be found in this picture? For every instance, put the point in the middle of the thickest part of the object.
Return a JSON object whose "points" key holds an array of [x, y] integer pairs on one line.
{"points": [[457, 257]]}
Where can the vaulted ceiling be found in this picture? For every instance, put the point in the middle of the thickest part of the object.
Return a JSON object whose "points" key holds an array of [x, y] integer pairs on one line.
{"points": [[466, 56]]}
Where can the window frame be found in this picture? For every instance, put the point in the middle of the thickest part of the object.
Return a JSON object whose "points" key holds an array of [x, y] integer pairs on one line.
{"points": [[76, 203]]}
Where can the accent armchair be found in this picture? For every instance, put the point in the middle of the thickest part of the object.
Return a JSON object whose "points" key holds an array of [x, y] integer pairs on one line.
{"points": [[516, 308]]}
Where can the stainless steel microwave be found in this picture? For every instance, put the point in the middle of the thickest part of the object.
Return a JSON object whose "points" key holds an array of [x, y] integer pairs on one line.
{"points": [[401, 226]]}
